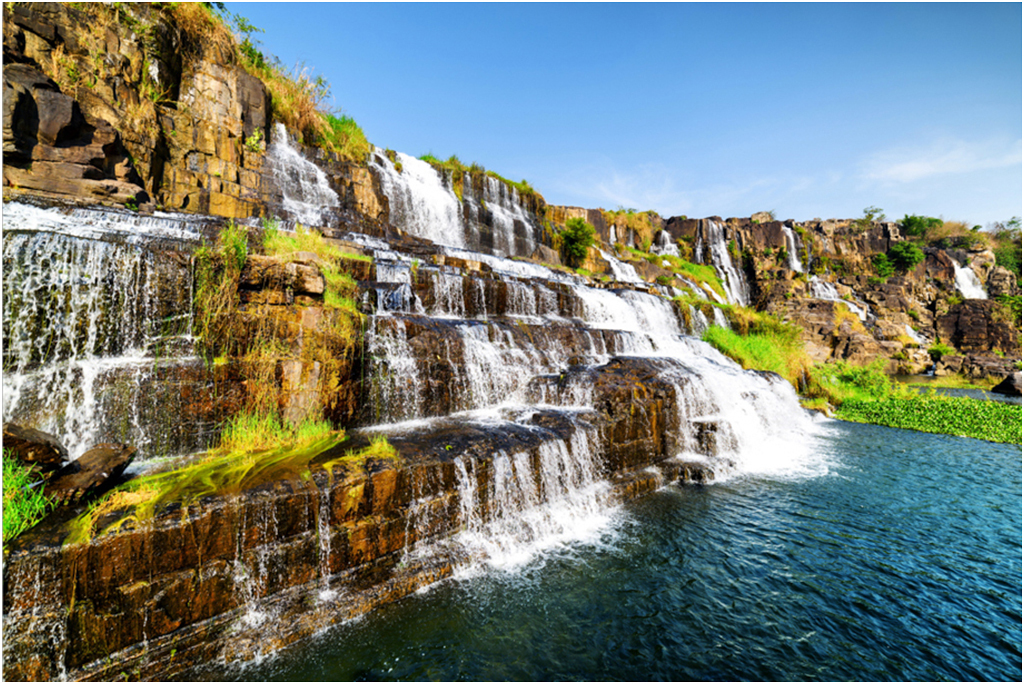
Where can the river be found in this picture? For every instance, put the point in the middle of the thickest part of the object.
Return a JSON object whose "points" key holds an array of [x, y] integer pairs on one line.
{"points": [[897, 556]]}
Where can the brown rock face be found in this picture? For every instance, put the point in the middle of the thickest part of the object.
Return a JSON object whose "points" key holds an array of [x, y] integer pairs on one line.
{"points": [[972, 327], [1002, 282], [51, 147]]}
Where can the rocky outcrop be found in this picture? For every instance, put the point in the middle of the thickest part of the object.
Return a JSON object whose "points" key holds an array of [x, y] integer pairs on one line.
{"points": [[98, 468], [1010, 386], [975, 326], [51, 147], [34, 447]]}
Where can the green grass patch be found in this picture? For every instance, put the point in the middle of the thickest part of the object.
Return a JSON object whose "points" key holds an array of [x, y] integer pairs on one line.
{"points": [[702, 274], [24, 504], [992, 421], [341, 289], [255, 450], [775, 350]]}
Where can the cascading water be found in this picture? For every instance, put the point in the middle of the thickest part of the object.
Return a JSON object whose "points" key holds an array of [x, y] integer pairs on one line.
{"points": [[792, 250], [735, 283], [663, 244], [420, 203], [822, 289], [968, 284], [97, 309], [306, 194]]}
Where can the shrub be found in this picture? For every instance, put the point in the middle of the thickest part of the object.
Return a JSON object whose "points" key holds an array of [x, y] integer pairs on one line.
{"points": [[871, 215], [940, 349], [918, 226], [577, 238], [905, 255], [883, 267]]}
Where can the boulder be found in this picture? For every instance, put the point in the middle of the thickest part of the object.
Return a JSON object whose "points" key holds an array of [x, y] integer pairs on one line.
{"points": [[1010, 386], [103, 464], [34, 447], [1002, 281]]}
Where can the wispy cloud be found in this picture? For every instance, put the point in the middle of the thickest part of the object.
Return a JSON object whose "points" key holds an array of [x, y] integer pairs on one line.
{"points": [[944, 156], [672, 191]]}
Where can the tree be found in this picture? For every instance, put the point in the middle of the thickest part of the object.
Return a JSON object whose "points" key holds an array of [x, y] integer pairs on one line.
{"points": [[905, 255], [871, 214], [577, 238]]}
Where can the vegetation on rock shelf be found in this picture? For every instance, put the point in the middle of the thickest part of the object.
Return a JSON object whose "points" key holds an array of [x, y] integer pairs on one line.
{"points": [[24, 504]]}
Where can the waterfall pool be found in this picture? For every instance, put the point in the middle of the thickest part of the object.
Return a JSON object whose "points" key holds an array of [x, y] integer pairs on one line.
{"points": [[898, 559]]}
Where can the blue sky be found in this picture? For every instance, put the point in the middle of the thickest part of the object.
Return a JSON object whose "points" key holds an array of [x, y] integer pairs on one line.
{"points": [[810, 110]]}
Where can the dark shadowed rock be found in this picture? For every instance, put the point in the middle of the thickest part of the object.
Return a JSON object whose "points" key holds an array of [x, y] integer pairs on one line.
{"points": [[35, 447], [1010, 386], [102, 464]]}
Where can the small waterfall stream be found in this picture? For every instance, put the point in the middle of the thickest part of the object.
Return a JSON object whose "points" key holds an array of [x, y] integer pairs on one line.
{"points": [[968, 284]]}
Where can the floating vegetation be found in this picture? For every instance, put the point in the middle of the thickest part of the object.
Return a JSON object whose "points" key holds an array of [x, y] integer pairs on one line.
{"points": [[992, 421]]}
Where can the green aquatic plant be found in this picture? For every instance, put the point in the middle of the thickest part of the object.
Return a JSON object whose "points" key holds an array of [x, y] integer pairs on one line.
{"points": [[992, 421]]}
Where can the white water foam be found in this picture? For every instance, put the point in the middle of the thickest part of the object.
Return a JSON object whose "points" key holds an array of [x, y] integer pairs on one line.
{"points": [[307, 196], [420, 203], [968, 284]]}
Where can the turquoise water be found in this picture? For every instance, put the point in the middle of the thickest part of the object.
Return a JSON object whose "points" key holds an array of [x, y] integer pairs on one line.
{"points": [[903, 562]]}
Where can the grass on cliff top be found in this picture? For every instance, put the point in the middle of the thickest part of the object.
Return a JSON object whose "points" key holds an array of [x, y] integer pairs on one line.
{"points": [[254, 450], [24, 504], [703, 274], [992, 421], [459, 170]]}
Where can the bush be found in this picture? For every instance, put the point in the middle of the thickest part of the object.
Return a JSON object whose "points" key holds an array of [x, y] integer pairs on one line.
{"points": [[905, 255], [883, 267], [577, 238], [918, 226], [940, 349]]}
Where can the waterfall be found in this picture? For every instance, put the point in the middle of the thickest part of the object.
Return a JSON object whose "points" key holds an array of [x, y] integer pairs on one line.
{"points": [[663, 244], [306, 194], [420, 203], [511, 222], [912, 334], [97, 308], [622, 272], [968, 284], [536, 500], [792, 250], [822, 289], [733, 280]]}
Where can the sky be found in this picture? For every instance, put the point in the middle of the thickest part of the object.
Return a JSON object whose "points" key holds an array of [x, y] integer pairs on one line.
{"points": [[807, 110]]}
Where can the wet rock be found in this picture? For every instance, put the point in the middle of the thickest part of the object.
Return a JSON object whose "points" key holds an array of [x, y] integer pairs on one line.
{"points": [[1010, 386], [102, 465], [34, 447]]}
